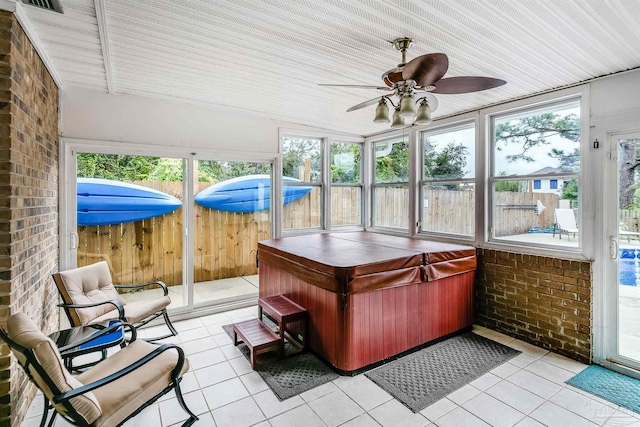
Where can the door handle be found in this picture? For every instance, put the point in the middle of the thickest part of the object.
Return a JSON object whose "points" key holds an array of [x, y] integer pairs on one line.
{"points": [[613, 248], [74, 241]]}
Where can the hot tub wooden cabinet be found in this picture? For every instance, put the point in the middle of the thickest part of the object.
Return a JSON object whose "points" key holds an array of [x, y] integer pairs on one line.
{"points": [[370, 296]]}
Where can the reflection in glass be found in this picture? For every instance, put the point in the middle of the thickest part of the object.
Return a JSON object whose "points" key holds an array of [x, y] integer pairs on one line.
{"points": [[391, 161], [345, 162], [301, 158], [305, 212]]}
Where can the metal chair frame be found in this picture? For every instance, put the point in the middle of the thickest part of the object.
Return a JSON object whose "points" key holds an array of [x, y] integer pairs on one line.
{"points": [[121, 309], [63, 398]]}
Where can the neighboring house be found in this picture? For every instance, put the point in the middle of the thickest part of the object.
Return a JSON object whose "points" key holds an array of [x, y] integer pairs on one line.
{"points": [[551, 185]]}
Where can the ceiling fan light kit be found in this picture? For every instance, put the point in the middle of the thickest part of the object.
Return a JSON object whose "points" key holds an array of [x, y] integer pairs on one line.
{"points": [[398, 121], [410, 82], [382, 112]]}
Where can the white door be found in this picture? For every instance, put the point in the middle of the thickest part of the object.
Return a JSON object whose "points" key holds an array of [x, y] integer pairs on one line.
{"points": [[622, 272]]}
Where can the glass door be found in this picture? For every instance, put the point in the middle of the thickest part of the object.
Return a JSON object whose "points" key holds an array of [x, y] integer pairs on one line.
{"points": [[623, 284], [231, 214], [130, 214]]}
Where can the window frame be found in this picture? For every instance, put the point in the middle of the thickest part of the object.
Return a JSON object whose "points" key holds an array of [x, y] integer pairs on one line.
{"points": [[537, 104], [325, 184], [444, 127], [397, 136], [332, 184]]}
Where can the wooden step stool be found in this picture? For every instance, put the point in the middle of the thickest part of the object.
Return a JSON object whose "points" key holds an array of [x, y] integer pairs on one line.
{"points": [[284, 311], [258, 337]]}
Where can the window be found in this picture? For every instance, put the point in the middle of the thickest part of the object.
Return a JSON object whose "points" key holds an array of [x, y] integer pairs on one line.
{"points": [[302, 182], [390, 189], [447, 186], [536, 145], [346, 183]]}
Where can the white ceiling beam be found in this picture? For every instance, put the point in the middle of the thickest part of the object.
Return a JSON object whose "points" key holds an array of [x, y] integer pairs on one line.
{"points": [[103, 30]]}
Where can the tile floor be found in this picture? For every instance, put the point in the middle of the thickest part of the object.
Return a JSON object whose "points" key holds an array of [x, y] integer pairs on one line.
{"points": [[527, 391]]}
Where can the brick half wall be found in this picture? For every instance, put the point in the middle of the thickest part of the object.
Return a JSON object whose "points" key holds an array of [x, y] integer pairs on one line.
{"points": [[541, 300]]}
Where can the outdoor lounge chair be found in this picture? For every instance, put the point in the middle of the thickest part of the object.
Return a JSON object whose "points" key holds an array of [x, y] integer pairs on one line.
{"points": [[565, 222], [90, 296], [106, 395]]}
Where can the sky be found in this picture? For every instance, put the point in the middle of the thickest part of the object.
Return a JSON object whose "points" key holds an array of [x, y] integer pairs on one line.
{"points": [[466, 136]]}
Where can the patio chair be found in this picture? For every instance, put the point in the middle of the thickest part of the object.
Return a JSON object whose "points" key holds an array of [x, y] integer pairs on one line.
{"points": [[106, 395], [565, 222], [90, 296]]}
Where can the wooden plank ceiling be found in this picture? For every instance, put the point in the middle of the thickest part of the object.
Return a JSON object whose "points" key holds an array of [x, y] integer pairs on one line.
{"points": [[267, 57]]}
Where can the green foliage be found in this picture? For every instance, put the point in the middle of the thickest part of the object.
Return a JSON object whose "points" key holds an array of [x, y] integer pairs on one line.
{"points": [[570, 190], [345, 162], [160, 169], [532, 131], [167, 169], [395, 166], [512, 186], [295, 151], [115, 166], [448, 163]]}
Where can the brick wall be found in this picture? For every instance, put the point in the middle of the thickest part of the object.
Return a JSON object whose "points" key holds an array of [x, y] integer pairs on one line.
{"points": [[29, 202], [544, 301]]}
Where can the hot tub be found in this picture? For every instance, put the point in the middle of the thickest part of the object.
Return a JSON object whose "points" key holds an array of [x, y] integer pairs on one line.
{"points": [[370, 296]]}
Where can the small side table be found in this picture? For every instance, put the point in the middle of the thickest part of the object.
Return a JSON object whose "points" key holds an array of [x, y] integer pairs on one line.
{"points": [[285, 311], [66, 338]]}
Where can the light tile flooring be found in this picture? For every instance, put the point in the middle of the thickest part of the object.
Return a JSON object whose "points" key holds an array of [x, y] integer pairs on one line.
{"points": [[220, 387]]}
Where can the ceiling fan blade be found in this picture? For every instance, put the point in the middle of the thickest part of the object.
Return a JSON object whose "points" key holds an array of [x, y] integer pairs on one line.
{"points": [[432, 100], [357, 86], [364, 104], [453, 85], [426, 69]]}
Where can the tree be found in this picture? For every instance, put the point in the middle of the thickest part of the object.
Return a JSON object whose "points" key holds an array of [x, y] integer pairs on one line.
{"points": [[298, 152], [628, 162], [532, 131], [345, 162], [394, 167], [449, 162], [115, 166]]}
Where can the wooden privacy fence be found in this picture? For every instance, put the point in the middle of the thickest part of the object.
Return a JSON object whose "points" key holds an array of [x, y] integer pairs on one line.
{"points": [[225, 243], [630, 218]]}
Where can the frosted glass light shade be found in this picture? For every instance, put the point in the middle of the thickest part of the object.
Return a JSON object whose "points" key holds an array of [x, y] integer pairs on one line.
{"points": [[398, 121], [407, 107], [423, 117], [382, 112]]}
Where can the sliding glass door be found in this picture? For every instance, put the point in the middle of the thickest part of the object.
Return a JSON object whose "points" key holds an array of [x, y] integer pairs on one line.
{"points": [[192, 224], [622, 284], [231, 214]]}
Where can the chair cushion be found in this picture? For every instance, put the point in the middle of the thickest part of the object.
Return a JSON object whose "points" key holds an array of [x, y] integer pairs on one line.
{"points": [[87, 285], [137, 310], [23, 331], [123, 396]]}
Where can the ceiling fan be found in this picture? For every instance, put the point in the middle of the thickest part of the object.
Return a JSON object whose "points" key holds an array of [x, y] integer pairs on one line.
{"points": [[413, 82]]}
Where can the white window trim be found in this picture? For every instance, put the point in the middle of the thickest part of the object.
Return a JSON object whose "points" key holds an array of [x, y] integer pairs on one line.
{"points": [[326, 139], [444, 125], [369, 148], [585, 201]]}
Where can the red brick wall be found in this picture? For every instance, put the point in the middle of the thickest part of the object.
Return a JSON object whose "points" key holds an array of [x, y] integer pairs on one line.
{"points": [[544, 301], [29, 202]]}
